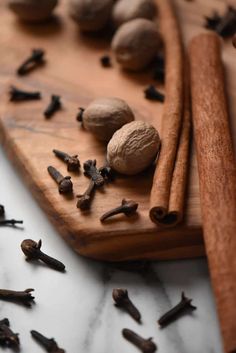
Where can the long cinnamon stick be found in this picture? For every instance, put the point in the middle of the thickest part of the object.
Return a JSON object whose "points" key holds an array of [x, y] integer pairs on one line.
{"points": [[217, 172], [166, 203]]}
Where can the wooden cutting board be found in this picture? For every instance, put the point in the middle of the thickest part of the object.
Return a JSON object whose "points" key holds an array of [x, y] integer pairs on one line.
{"points": [[73, 71]]}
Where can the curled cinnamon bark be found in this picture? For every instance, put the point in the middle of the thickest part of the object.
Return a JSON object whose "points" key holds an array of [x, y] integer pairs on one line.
{"points": [[167, 195], [217, 175]]}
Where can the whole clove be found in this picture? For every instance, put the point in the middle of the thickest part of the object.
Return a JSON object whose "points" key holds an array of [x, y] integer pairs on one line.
{"points": [[183, 306], [34, 60], [105, 61], [91, 171], [211, 22], [227, 26], [73, 163], [23, 297], [153, 94], [18, 95], [11, 222], [7, 336], [49, 344], [128, 207], [145, 345], [224, 25], [84, 200], [79, 116], [32, 251], [159, 69], [123, 301], [53, 106], [107, 173], [65, 185], [2, 210]]}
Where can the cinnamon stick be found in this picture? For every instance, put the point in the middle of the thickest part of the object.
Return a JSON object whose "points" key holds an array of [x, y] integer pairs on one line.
{"points": [[217, 173], [167, 194]]}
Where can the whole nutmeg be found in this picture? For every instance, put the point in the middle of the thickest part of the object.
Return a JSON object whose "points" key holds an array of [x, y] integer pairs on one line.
{"points": [[91, 15], [136, 43], [32, 10], [106, 115], [133, 148], [124, 11]]}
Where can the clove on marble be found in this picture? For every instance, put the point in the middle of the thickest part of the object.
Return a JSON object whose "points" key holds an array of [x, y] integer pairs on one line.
{"points": [[145, 345], [11, 222], [7, 337], [49, 344], [184, 305], [32, 251], [23, 297], [122, 300], [2, 210]]}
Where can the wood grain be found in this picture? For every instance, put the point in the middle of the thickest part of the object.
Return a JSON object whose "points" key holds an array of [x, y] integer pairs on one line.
{"points": [[73, 70], [217, 171]]}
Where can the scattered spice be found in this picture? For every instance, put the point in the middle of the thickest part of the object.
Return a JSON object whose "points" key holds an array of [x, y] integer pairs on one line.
{"points": [[107, 173], [18, 95], [32, 251], [84, 200], [2, 210], [211, 22], [176, 311], [23, 297], [128, 207], [224, 25], [65, 185], [153, 94], [79, 116], [91, 170], [227, 26], [145, 345], [123, 301], [234, 40], [11, 222], [53, 106], [73, 163], [7, 336], [49, 344], [34, 60], [159, 69], [105, 61]]}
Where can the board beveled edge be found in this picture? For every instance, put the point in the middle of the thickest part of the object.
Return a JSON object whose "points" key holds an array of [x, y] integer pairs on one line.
{"points": [[167, 244]]}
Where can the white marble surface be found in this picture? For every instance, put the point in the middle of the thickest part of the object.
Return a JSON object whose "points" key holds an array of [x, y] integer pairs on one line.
{"points": [[76, 307]]}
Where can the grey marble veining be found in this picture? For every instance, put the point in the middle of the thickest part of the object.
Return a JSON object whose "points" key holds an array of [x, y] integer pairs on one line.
{"points": [[77, 308]]}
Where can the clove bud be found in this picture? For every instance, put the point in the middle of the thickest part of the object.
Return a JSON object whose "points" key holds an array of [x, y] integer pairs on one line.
{"points": [[7, 336], [128, 207], [123, 301], [32, 251]]}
